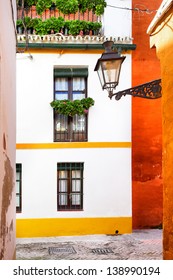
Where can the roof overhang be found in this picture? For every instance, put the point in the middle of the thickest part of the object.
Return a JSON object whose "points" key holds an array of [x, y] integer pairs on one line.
{"points": [[163, 9]]}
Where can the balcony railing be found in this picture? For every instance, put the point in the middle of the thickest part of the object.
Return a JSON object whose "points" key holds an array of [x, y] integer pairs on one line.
{"points": [[31, 12], [52, 21]]}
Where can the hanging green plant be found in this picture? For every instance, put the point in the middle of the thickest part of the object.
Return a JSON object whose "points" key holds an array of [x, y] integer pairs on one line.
{"points": [[97, 6], [42, 5], [72, 107], [72, 6], [67, 6], [26, 3]]}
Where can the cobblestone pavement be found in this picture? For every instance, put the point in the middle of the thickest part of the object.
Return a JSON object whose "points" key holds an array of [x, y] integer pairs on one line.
{"points": [[140, 245]]}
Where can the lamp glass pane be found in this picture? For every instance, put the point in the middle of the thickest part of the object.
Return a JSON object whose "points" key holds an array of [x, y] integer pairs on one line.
{"points": [[100, 74], [111, 71]]}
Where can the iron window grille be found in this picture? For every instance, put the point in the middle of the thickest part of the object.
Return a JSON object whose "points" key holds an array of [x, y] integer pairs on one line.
{"points": [[70, 84], [70, 186], [18, 187]]}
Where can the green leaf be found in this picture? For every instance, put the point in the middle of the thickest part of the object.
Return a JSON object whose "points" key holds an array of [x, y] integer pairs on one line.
{"points": [[67, 6]]}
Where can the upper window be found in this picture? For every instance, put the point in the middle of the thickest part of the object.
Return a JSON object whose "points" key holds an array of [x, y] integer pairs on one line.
{"points": [[70, 186], [18, 187], [70, 84]]}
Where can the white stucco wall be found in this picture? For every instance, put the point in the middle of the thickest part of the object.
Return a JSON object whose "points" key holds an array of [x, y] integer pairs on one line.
{"points": [[107, 182], [107, 171], [117, 18], [109, 120]]}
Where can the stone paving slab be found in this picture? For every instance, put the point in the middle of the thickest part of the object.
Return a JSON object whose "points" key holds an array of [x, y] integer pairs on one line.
{"points": [[140, 245]]}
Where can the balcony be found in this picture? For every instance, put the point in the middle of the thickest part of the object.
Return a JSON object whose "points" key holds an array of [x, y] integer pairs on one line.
{"points": [[53, 29]]}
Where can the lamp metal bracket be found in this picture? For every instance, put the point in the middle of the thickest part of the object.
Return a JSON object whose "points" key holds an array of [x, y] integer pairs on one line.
{"points": [[150, 90]]}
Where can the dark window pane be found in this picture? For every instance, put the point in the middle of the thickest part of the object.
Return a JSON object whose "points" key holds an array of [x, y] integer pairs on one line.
{"points": [[67, 128], [70, 186], [18, 187]]}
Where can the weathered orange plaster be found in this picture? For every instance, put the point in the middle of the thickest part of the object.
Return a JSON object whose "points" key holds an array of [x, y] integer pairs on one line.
{"points": [[162, 38], [146, 127]]}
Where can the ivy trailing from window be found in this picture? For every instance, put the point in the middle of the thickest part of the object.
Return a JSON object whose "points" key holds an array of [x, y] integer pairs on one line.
{"points": [[72, 107]]}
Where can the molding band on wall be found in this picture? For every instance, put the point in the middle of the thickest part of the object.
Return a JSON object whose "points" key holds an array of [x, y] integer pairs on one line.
{"points": [[72, 145]]}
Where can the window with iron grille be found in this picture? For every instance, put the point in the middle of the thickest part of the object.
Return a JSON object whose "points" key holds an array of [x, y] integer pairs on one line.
{"points": [[70, 186], [71, 84], [18, 187]]}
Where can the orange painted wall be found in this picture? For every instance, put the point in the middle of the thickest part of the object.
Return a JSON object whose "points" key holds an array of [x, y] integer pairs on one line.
{"points": [[162, 38], [146, 125]]}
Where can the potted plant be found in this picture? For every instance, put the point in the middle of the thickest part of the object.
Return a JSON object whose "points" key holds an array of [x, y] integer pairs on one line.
{"points": [[53, 6], [34, 23], [96, 27], [67, 7], [41, 28], [49, 25], [42, 5], [75, 27], [55, 25], [19, 26], [59, 24], [72, 107], [99, 7], [27, 3], [28, 24], [72, 6], [30, 3], [84, 26], [66, 27]]}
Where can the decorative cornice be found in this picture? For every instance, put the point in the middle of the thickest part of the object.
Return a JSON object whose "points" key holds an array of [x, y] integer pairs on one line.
{"points": [[59, 38], [60, 41]]}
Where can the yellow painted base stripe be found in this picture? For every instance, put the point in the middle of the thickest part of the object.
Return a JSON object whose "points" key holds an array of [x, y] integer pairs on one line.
{"points": [[72, 145], [72, 226]]}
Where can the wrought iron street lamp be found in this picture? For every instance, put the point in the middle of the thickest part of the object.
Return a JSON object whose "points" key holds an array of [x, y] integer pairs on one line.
{"points": [[108, 68]]}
